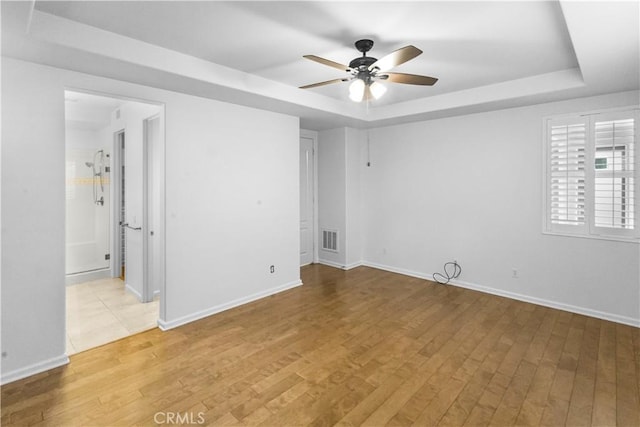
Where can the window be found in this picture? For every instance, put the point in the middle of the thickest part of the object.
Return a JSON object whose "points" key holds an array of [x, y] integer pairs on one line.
{"points": [[591, 171]]}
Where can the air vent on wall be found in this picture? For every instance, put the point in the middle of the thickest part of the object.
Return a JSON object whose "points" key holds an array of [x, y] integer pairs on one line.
{"points": [[330, 240]]}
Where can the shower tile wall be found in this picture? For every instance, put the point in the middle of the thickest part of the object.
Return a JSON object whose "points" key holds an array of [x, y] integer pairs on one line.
{"points": [[87, 223]]}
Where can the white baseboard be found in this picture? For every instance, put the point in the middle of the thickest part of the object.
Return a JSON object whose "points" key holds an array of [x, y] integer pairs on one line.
{"points": [[397, 270], [34, 369], [352, 265], [226, 306], [338, 265], [330, 263], [74, 279], [137, 294], [551, 304], [520, 297], [133, 292]]}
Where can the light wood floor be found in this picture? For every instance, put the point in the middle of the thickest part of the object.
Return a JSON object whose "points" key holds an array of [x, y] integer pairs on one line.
{"points": [[363, 347]]}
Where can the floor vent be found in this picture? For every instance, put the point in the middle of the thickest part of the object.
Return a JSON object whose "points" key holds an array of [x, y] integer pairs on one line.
{"points": [[330, 240]]}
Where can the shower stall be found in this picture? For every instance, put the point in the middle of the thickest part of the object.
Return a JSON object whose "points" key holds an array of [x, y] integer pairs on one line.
{"points": [[87, 214]]}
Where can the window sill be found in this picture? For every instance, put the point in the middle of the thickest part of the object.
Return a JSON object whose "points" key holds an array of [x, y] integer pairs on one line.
{"points": [[635, 240]]}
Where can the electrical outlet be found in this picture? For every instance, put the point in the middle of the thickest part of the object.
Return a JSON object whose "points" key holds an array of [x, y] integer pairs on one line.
{"points": [[514, 273], [272, 269]]}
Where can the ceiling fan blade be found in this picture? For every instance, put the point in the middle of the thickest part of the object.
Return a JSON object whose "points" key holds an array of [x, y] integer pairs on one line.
{"points": [[327, 62], [328, 82], [411, 79], [396, 58]]}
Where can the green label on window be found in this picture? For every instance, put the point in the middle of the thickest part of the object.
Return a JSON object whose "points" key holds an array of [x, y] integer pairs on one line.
{"points": [[601, 163]]}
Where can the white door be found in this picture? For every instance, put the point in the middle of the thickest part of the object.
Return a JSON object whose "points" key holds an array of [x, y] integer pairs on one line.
{"points": [[306, 201], [153, 229], [131, 161]]}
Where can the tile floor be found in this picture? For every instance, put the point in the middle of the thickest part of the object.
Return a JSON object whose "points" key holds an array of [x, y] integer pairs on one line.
{"points": [[102, 311]]}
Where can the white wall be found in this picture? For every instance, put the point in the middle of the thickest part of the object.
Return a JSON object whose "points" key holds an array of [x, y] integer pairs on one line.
{"points": [[33, 236], [340, 157], [232, 204], [332, 193], [355, 162], [470, 188], [232, 201]]}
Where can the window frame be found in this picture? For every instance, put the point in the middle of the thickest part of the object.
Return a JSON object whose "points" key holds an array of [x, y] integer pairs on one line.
{"points": [[589, 229]]}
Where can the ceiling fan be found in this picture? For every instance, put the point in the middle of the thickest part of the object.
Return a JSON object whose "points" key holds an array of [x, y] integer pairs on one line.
{"points": [[365, 71]]}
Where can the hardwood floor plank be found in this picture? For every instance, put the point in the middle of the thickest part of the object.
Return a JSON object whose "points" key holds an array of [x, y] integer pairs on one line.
{"points": [[358, 347], [627, 395], [474, 361], [604, 401], [557, 407], [245, 408], [527, 324], [509, 407], [581, 403], [454, 353], [478, 386], [537, 396]]}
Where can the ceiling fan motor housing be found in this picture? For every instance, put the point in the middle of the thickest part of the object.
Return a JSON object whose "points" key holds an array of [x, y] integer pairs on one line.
{"points": [[364, 45], [362, 63]]}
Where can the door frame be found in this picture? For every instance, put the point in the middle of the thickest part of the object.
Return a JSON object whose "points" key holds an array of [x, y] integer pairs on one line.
{"points": [[114, 182], [313, 135], [153, 240], [116, 200]]}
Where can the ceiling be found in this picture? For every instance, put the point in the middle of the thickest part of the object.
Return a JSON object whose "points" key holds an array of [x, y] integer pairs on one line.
{"points": [[487, 55], [87, 111]]}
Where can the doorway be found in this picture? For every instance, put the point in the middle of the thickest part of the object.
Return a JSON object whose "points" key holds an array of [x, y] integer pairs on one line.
{"points": [[110, 302]]}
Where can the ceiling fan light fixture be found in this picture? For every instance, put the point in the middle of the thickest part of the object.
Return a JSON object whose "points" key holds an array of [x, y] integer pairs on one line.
{"points": [[365, 69], [377, 89], [356, 90]]}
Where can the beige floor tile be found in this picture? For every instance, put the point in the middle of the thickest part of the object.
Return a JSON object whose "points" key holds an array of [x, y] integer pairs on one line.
{"points": [[113, 301], [86, 309], [98, 337], [95, 321], [102, 311]]}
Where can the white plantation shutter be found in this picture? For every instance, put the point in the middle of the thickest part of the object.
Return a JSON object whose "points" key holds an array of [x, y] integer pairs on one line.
{"points": [[592, 164], [614, 170], [566, 174]]}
